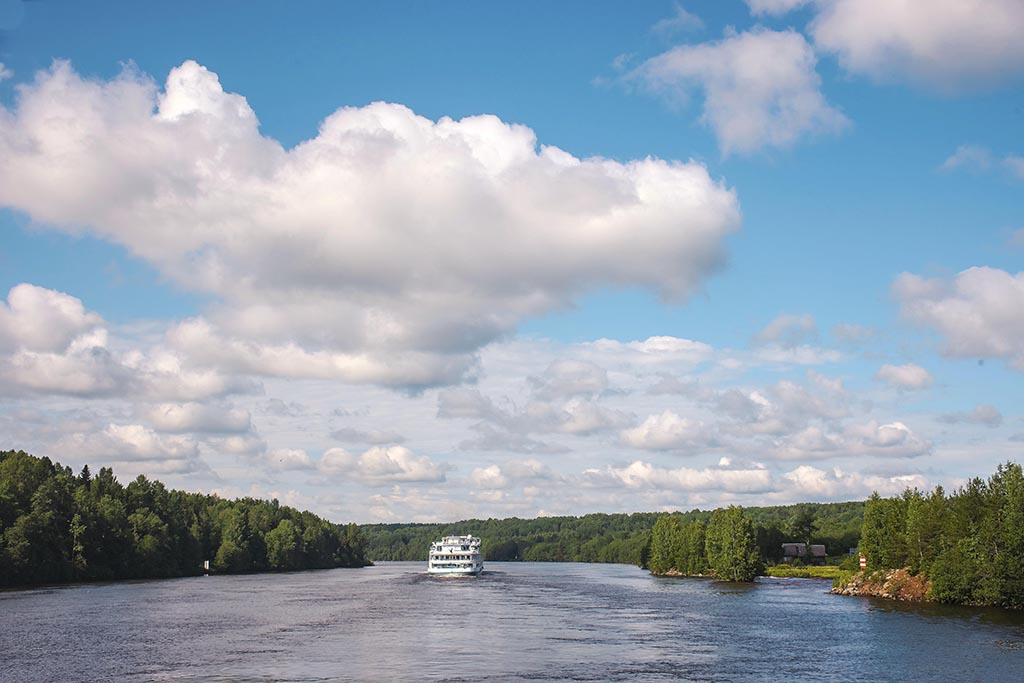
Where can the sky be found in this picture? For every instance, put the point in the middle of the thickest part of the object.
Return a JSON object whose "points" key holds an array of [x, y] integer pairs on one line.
{"points": [[407, 261]]}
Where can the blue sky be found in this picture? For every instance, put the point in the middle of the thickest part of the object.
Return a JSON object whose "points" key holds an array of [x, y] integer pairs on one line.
{"points": [[848, 165]]}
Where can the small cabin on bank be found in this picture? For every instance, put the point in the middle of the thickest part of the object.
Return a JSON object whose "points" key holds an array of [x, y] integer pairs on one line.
{"points": [[799, 551]]}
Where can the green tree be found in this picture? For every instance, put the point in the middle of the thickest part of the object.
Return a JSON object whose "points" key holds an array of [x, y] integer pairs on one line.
{"points": [[1011, 563], [801, 526], [666, 539], [926, 517], [731, 552], [151, 544], [78, 530], [284, 546], [233, 554], [883, 540], [692, 553]]}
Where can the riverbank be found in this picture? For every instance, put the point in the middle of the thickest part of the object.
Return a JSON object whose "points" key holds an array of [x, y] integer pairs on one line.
{"points": [[783, 571], [675, 573], [894, 584]]}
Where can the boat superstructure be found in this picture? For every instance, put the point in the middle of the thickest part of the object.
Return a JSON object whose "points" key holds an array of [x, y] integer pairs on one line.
{"points": [[456, 555]]}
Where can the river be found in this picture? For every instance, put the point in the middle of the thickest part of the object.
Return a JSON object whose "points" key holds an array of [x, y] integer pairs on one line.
{"points": [[517, 621]]}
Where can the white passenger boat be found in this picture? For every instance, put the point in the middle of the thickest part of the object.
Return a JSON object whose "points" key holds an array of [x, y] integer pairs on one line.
{"points": [[456, 555]]}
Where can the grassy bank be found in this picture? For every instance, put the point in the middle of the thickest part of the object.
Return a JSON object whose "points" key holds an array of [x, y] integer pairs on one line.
{"points": [[784, 571]]}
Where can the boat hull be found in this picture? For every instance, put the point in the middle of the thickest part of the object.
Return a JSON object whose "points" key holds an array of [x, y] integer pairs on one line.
{"points": [[455, 572]]}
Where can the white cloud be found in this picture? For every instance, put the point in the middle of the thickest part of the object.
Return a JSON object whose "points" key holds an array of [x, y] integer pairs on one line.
{"points": [[466, 402], [238, 444], [669, 431], [851, 333], [947, 45], [491, 438], [280, 408], [490, 477], [5, 73], [584, 417], [620, 63], [508, 429], [972, 157], [387, 249], [39, 319], [207, 418], [644, 475], [907, 376], [760, 88], [374, 437], [49, 344], [119, 443], [982, 414], [88, 368], [382, 465], [782, 408], [567, 378], [977, 159], [651, 351], [788, 331], [1015, 164], [286, 459], [811, 482], [526, 470], [797, 355], [774, 7], [510, 474], [979, 314], [822, 396], [892, 440], [681, 21], [203, 344], [670, 384]]}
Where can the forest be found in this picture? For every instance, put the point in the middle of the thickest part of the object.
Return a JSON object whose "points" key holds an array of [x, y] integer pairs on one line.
{"points": [[623, 538], [591, 538], [56, 526], [969, 545]]}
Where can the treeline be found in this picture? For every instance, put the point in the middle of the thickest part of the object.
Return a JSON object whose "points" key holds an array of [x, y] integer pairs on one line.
{"points": [[837, 526], [970, 545], [56, 526], [621, 538]]}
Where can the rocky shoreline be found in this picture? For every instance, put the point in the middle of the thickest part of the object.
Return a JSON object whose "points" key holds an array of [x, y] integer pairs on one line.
{"points": [[675, 573], [894, 584]]}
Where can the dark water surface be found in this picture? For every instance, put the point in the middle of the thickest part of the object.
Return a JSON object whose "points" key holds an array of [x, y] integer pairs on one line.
{"points": [[535, 622]]}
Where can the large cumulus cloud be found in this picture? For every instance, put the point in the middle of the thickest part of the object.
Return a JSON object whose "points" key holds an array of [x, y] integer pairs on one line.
{"points": [[386, 237]]}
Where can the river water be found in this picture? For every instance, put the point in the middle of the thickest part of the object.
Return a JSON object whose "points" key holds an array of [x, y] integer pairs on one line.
{"points": [[517, 621]]}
